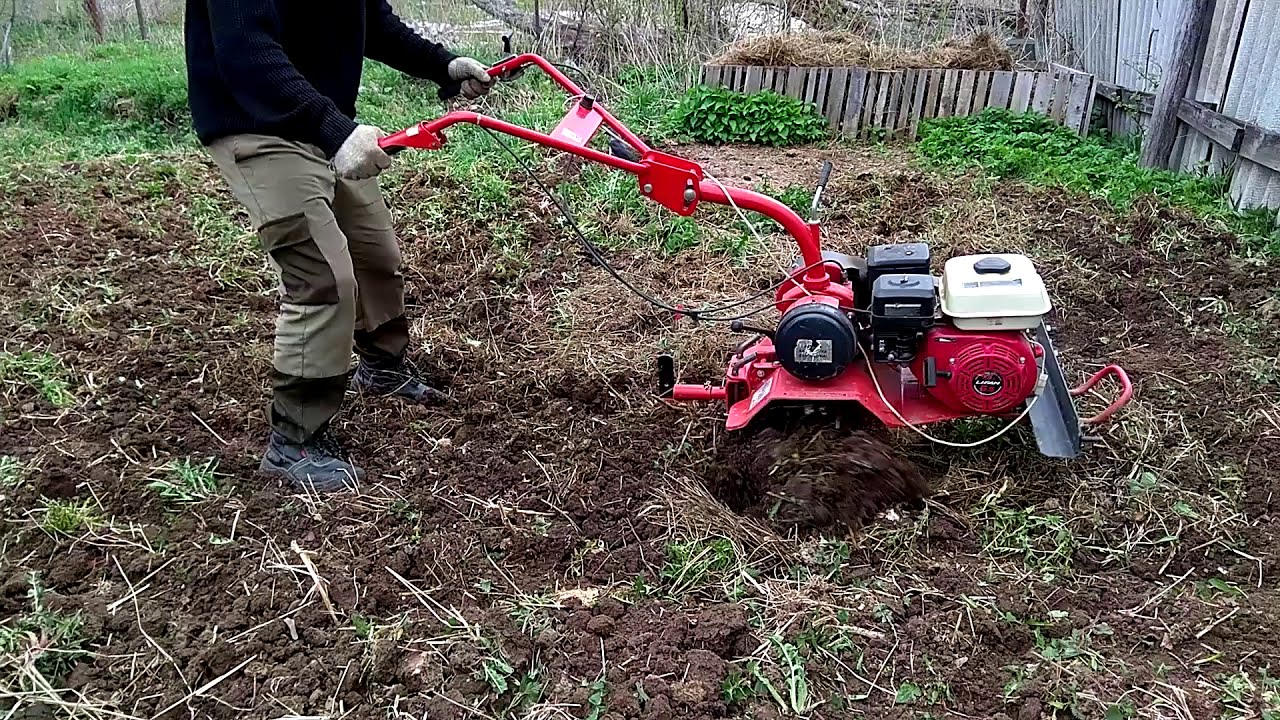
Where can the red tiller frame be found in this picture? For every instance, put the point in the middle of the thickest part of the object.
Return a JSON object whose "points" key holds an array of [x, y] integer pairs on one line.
{"points": [[671, 181]]}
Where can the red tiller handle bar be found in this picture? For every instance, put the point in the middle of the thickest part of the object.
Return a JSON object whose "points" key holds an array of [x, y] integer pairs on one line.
{"points": [[1126, 392], [673, 182]]}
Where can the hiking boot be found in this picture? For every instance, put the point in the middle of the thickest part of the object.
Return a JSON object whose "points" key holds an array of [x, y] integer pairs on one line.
{"points": [[319, 465], [401, 380]]}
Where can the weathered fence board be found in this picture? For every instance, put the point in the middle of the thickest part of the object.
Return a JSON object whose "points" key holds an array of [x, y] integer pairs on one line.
{"points": [[857, 102]]}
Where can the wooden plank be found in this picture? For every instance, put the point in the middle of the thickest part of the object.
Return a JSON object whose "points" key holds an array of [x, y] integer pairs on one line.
{"points": [[1075, 114], [753, 79], [887, 81], [890, 122], [1221, 129], [1086, 120], [1162, 128], [935, 88], [835, 96], [1061, 90], [1022, 86], [980, 88], [964, 96], [947, 98], [1261, 146], [917, 103], [795, 82], [740, 79], [875, 83], [1043, 94], [711, 78], [821, 83], [850, 121], [1001, 87]]}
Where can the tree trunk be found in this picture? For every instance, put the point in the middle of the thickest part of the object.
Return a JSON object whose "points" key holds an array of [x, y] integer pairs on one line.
{"points": [[142, 20], [1162, 128], [6, 50], [95, 18]]}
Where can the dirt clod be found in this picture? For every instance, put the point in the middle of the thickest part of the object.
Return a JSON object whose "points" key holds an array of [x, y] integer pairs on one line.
{"points": [[815, 477]]}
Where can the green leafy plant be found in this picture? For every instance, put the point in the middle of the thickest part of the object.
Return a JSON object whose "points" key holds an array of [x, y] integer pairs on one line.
{"points": [[908, 692], [596, 700], [497, 674], [695, 564], [719, 116], [1033, 147], [736, 688]]}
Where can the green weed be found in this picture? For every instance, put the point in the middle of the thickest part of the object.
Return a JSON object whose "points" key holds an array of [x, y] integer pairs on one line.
{"points": [[1043, 541], [187, 482], [676, 234], [794, 674], [719, 116], [1033, 147], [42, 372], [12, 471], [69, 517], [53, 641], [908, 693], [496, 672], [596, 706], [696, 564], [527, 692], [736, 689]]}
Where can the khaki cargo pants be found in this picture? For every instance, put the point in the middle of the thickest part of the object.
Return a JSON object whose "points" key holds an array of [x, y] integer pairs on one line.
{"points": [[332, 242]]}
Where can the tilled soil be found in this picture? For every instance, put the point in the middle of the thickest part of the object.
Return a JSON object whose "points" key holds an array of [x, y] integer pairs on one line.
{"points": [[534, 549]]}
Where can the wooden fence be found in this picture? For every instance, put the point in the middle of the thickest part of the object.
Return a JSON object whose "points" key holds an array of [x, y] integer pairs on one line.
{"points": [[873, 103]]}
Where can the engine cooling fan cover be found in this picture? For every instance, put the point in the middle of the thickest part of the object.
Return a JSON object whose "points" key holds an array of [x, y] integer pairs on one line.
{"points": [[988, 373]]}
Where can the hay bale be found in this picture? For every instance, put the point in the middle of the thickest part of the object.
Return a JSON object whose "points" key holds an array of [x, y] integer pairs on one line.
{"points": [[982, 51]]}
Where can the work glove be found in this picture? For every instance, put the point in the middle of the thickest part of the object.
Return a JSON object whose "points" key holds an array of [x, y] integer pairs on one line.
{"points": [[475, 77], [360, 158]]}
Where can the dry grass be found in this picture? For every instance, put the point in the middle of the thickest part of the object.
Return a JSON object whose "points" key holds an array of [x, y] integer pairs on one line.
{"points": [[981, 51]]}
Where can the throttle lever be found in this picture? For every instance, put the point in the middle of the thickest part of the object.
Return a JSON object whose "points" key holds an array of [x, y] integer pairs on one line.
{"points": [[823, 176]]}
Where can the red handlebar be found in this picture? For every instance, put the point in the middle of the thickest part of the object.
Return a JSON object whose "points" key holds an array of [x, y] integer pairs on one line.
{"points": [[1126, 392], [668, 180]]}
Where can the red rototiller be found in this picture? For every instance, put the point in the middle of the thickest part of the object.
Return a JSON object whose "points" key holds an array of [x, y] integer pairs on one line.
{"points": [[877, 331]]}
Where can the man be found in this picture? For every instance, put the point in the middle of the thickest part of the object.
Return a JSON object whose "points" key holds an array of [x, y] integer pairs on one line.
{"points": [[273, 87]]}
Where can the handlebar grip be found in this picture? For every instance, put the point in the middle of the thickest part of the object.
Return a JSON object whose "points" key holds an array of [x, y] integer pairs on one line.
{"points": [[825, 174]]}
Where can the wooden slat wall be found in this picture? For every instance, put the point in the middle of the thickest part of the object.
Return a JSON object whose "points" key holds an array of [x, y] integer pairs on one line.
{"points": [[876, 104]]}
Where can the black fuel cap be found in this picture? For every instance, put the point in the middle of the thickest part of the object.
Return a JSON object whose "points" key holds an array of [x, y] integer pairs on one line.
{"points": [[992, 266]]}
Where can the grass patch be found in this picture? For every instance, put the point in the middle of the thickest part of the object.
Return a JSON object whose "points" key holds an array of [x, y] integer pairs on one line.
{"points": [[69, 517], [112, 98], [1034, 148], [12, 471], [187, 482], [44, 644], [42, 372]]}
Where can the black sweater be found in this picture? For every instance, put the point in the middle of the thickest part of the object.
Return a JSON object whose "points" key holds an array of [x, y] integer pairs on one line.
{"points": [[291, 68]]}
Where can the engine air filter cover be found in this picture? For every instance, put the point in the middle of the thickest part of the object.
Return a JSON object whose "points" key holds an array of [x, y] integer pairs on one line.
{"points": [[815, 341]]}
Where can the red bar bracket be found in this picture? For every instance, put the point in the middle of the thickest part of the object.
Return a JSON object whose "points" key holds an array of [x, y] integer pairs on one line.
{"points": [[670, 181]]}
